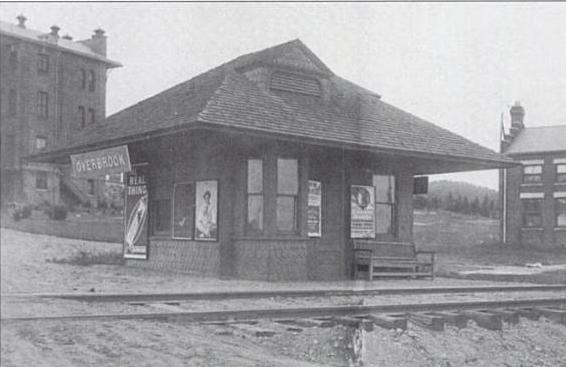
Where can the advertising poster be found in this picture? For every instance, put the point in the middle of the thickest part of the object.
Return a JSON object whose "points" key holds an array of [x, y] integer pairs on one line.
{"points": [[136, 214], [206, 221], [183, 210], [362, 223], [314, 214]]}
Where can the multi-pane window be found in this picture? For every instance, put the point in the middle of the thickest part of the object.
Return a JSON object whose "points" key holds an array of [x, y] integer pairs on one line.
{"points": [[82, 117], [532, 174], [83, 79], [12, 102], [43, 104], [40, 142], [161, 216], [287, 194], [91, 80], [532, 212], [43, 63], [90, 186], [13, 59], [561, 172], [560, 210], [91, 117], [384, 203], [254, 220], [41, 180]]}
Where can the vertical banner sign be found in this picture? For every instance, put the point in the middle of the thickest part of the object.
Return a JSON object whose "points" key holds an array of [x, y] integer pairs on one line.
{"points": [[362, 223], [314, 213], [206, 221], [136, 214]]}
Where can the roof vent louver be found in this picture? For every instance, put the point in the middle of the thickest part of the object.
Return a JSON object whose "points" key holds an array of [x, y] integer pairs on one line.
{"points": [[295, 83]]}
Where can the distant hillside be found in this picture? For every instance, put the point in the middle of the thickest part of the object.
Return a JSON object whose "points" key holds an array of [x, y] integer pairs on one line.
{"points": [[460, 197]]}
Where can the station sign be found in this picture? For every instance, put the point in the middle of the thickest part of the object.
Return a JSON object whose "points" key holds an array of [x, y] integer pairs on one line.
{"points": [[101, 162]]}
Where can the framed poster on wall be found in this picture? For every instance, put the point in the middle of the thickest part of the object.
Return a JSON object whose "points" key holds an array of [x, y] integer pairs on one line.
{"points": [[183, 210], [362, 222], [314, 211], [136, 209], [206, 211]]}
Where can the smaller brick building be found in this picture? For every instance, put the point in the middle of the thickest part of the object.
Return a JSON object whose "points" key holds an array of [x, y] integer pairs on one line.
{"points": [[533, 195], [52, 88]]}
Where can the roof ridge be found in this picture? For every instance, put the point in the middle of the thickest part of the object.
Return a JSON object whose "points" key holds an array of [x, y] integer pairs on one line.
{"points": [[543, 127]]}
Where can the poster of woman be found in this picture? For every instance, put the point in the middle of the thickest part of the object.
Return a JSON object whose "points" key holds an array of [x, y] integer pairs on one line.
{"points": [[206, 210]]}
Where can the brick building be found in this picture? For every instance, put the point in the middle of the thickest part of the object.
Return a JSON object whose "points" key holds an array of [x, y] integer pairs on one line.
{"points": [[51, 88], [267, 166], [533, 195]]}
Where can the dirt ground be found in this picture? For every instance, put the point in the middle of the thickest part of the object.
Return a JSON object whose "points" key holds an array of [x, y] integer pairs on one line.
{"points": [[25, 269]]}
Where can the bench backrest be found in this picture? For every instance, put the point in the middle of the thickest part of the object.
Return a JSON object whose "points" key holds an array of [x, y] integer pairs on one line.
{"points": [[386, 249]]}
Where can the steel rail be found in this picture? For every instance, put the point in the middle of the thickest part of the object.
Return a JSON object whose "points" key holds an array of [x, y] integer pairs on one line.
{"points": [[149, 297], [282, 313]]}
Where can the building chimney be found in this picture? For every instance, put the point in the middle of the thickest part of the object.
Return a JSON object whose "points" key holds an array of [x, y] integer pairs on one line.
{"points": [[67, 37], [97, 42], [55, 30], [517, 116], [21, 21]]}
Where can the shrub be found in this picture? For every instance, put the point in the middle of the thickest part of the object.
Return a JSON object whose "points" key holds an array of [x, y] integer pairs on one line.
{"points": [[59, 212], [102, 205], [17, 215], [26, 211]]}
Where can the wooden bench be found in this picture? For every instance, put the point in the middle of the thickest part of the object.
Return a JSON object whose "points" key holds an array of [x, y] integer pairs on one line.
{"points": [[391, 259]]}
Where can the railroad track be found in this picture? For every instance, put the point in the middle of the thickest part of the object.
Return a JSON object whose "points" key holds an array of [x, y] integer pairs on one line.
{"points": [[553, 307], [154, 297]]}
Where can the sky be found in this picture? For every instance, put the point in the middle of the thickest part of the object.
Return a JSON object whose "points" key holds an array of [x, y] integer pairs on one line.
{"points": [[458, 65]]}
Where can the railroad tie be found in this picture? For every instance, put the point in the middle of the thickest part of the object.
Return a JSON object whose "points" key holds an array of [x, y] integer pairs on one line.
{"points": [[555, 314], [453, 318], [427, 320], [389, 321], [509, 316], [355, 322], [314, 323], [486, 320], [529, 313]]}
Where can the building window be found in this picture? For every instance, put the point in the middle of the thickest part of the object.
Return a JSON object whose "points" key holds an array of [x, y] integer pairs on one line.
{"points": [[90, 186], [532, 213], [91, 117], [560, 209], [82, 117], [384, 203], [254, 222], [561, 172], [91, 80], [160, 217], [532, 174], [41, 180], [287, 194], [83, 79], [12, 102], [43, 63], [13, 58], [40, 142], [43, 104]]}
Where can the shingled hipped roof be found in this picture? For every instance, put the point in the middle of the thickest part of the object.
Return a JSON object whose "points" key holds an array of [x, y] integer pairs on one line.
{"points": [[225, 98], [543, 139]]}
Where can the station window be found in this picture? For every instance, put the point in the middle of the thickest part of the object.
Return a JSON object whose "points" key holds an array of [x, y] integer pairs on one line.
{"points": [[183, 210], [532, 213], [384, 203], [13, 58], [91, 116], [561, 172], [43, 104], [254, 222], [532, 174], [43, 63], [560, 208], [287, 195], [41, 181], [160, 217]]}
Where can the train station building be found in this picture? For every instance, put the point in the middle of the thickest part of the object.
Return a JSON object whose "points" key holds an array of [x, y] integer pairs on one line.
{"points": [[266, 167]]}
